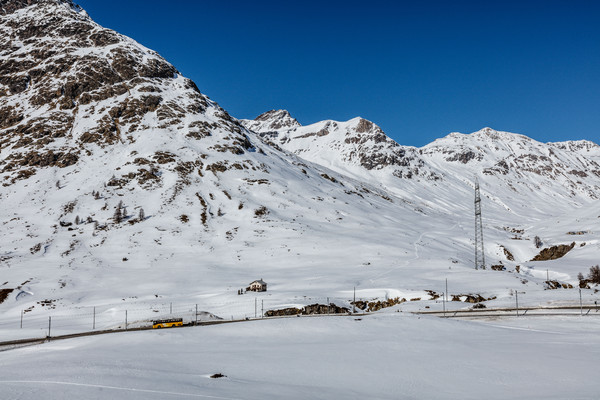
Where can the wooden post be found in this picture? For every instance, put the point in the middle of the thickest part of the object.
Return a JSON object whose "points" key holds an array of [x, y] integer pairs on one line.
{"points": [[444, 301]]}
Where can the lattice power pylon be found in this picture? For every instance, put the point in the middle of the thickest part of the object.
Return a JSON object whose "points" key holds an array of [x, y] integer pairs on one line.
{"points": [[479, 255]]}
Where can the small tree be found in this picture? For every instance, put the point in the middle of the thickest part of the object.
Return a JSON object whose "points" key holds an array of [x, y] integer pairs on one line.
{"points": [[96, 195], [77, 220], [594, 275], [538, 242], [118, 217], [141, 215]]}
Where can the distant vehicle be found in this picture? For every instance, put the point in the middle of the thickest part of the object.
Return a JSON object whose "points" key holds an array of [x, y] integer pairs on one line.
{"points": [[167, 323]]}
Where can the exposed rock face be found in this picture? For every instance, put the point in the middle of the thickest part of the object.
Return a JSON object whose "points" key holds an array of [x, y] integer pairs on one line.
{"points": [[554, 252]]}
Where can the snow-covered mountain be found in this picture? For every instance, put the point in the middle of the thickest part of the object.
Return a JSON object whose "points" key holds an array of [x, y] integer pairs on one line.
{"points": [[565, 172], [122, 182]]}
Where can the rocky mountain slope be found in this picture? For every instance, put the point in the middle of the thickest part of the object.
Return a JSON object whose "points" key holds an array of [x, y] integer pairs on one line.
{"points": [[122, 183]]}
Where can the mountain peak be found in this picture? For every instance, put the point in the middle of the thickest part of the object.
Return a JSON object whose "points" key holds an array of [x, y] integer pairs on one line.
{"points": [[274, 115], [272, 120]]}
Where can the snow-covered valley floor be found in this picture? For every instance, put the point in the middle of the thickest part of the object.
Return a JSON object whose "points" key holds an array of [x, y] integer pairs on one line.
{"points": [[391, 355]]}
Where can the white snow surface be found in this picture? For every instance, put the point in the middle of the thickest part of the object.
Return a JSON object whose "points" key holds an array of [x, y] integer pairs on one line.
{"points": [[384, 356]]}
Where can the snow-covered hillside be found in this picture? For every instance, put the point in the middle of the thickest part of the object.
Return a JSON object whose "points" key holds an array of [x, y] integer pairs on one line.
{"points": [[123, 185]]}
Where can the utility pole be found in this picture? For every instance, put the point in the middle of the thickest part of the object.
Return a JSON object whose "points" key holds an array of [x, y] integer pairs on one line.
{"points": [[170, 308], [262, 308], [479, 254], [328, 306], [255, 304]]}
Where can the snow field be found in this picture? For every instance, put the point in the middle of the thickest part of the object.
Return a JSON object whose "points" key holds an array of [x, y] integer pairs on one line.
{"points": [[383, 356]]}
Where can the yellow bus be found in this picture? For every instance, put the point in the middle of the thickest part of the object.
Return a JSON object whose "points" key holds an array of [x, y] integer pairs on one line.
{"points": [[167, 323]]}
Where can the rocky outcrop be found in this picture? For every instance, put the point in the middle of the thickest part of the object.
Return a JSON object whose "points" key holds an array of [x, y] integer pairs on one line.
{"points": [[4, 294], [311, 309], [554, 252]]}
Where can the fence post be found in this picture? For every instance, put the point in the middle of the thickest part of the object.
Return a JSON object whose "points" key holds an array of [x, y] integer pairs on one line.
{"points": [[446, 294], [444, 302]]}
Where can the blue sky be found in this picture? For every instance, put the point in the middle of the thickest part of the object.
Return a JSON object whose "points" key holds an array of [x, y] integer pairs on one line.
{"points": [[419, 69]]}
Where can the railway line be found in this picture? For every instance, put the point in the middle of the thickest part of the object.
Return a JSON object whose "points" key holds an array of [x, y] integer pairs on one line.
{"points": [[585, 310]]}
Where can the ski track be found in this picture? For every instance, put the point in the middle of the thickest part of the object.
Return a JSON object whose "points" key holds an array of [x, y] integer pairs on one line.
{"points": [[121, 388], [416, 257]]}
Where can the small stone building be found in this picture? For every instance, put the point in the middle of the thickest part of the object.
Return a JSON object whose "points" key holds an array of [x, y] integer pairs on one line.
{"points": [[257, 286]]}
